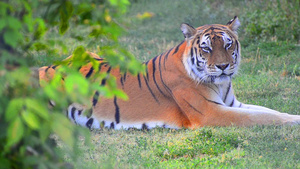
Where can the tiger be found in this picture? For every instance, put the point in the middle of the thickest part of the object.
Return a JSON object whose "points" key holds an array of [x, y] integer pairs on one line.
{"points": [[189, 86]]}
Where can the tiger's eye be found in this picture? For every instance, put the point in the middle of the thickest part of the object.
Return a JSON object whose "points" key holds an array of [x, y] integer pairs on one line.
{"points": [[206, 49]]}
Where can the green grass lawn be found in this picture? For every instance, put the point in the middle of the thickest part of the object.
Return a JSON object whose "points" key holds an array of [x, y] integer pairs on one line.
{"points": [[269, 76]]}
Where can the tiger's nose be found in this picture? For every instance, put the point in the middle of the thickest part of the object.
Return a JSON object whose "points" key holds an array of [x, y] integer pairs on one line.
{"points": [[222, 66]]}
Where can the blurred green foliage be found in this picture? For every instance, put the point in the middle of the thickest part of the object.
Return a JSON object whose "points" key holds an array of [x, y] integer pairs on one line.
{"points": [[272, 20], [26, 119]]}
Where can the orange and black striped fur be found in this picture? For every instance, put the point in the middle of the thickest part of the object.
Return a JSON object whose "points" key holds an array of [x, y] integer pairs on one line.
{"points": [[189, 86]]}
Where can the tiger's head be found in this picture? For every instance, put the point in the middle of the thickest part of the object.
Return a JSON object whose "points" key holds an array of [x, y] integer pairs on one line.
{"points": [[212, 53]]}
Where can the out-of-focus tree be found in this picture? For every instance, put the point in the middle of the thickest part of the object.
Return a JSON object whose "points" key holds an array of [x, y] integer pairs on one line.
{"points": [[26, 120]]}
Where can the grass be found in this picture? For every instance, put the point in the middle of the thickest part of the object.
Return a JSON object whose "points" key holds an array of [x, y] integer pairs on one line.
{"points": [[209, 147], [269, 76]]}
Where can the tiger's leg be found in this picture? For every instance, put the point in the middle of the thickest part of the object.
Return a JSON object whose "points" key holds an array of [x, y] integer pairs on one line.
{"points": [[202, 110], [224, 116]]}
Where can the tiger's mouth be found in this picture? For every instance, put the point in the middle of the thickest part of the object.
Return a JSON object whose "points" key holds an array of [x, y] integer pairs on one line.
{"points": [[218, 79]]}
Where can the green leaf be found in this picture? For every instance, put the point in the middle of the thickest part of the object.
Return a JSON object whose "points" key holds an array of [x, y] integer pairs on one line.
{"points": [[31, 119], [13, 23], [40, 46], [51, 92], [65, 11], [12, 37], [13, 109], [63, 128], [76, 83], [4, 7], [121, 94], [37, 107], [29, 22], [44, 131], [113, 2], [15, 132], [79, 51], [63, 26], [41, 28], [2, 23]]}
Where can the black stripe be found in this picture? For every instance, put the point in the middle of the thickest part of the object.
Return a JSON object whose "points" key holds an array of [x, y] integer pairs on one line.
{"points": [[146, 65], [121, 80], [230, 22], [90, 112], [214, 102], [144, 126], [240, 105], [147, 74], [47, 69], [100, 65], [228, 89], [99, 59], [161, 78], [79, 112], [166, 57], [212, 29], [90, 72], [231, 104], [125, 74], [139, 80], [73, 113], [192, 107], [213, 90], [146, 81], [112, 125], [211, 100], [177, 47], [95, 98], [89, 123], [54, 66], [117, 111], [50, 102], [192, 60], [153, 74], [104, 79], [192, 56], [237, 50], [237, 45], [108, 70]]}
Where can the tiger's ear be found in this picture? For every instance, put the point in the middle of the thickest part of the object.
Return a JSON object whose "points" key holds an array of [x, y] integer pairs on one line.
{"points": [[234, 24], [187, 30]]}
